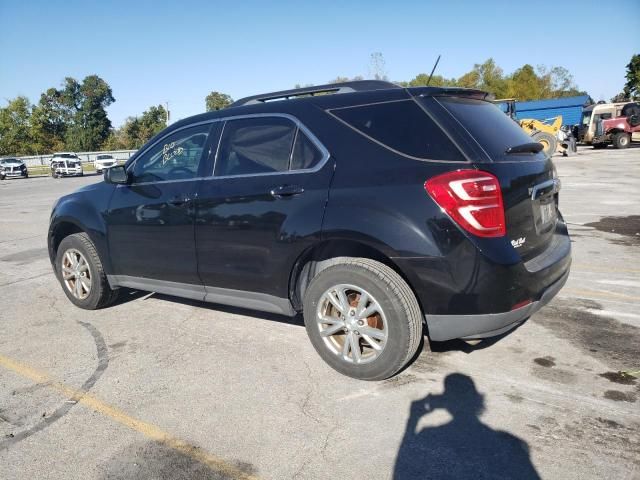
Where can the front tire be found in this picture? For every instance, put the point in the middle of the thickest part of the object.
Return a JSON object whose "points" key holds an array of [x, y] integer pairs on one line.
{"points": [[81, 275], [362, 318]]}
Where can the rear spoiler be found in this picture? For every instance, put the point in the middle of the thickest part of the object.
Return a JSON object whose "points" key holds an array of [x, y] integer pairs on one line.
{"points": [[451, 92]]}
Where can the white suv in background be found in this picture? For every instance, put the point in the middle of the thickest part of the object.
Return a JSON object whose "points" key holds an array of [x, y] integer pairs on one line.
{"points": [[104, 161]]}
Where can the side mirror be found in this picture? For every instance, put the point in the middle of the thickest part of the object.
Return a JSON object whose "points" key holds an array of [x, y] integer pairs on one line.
{"points": [[116, 174]]}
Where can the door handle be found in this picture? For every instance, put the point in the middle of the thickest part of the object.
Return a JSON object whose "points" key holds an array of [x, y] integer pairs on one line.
{"points": [[179, 200], [286, 191]]}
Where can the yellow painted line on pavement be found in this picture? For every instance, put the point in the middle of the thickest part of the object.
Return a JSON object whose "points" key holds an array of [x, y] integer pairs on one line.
{"points": [[147, 429], [598, 293]]}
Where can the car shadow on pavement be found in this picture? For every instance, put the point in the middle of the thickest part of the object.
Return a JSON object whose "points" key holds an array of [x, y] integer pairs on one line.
{"points": [[297, 320], [462, 448], [126, 295]]}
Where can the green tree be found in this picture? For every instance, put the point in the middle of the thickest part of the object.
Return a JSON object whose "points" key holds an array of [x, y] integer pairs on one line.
{"points": [[524, 84], [49, 120], [421, 80], [621, 97], [86, 103], [136, 131], [217, 101], [632, 86], [491, 78], [15, 133], [469, 80]]}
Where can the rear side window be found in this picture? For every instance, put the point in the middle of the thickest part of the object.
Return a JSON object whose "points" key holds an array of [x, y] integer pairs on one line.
{"points": [[490, 127], [255, 145], [403, 127], [305, 153]]}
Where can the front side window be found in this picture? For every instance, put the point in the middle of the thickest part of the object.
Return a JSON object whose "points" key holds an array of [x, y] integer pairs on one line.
{"points": [[176, 157], [255, 145]]}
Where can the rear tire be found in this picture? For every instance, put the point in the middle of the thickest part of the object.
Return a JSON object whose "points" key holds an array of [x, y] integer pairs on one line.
{"points": [[389, 317], [79, 271], [547, 140], [621, 140]]}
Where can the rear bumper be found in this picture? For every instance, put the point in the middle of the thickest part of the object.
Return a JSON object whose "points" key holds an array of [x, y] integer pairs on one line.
{"points": [[447, 327]]}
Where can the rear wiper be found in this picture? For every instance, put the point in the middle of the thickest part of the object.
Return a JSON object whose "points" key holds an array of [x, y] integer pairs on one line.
{"points": [[533, 147]]}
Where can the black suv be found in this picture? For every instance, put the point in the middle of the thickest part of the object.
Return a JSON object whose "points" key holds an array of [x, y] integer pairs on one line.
{"points": [[373, 209]]}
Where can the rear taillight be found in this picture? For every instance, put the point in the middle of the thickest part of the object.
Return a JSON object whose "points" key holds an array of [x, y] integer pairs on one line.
{"points": [[472, 198]]}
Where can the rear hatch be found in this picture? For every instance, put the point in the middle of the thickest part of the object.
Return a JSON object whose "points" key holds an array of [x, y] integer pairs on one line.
{"points": [[527, 178]]}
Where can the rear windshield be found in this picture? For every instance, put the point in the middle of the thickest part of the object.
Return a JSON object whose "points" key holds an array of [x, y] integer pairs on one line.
{"points": [[402, 127], [490, 127]]}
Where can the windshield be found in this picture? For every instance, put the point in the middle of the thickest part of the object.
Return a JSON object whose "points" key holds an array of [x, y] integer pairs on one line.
{"points": [[586, 117], [490, 127], [104, 157]]}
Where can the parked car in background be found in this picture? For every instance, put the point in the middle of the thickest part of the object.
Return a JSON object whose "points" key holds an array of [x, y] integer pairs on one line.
{"points": [[619, 131], [375, 210], [13, 168], [591, 115], [104, 161], [66, 165]]}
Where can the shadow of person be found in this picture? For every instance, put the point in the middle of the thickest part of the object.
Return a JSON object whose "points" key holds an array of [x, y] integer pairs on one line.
{"points": [[462, 448]]}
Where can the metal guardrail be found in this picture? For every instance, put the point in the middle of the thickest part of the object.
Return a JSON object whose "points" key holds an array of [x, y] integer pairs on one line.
{"points": [[85, 157]]}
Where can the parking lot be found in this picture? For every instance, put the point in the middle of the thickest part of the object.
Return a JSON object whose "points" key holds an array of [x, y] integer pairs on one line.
{"points": [[159, 387]]}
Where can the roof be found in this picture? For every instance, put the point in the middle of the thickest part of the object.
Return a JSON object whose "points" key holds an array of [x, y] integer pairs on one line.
{"points": [[344, 87], [343, 94]]}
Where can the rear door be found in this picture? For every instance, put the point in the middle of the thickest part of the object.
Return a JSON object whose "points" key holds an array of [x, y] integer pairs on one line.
{"points": [[527, 180], [263, 206]]}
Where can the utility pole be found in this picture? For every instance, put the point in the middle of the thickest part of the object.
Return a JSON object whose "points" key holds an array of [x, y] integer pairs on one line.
{"points": [[166, 104]]}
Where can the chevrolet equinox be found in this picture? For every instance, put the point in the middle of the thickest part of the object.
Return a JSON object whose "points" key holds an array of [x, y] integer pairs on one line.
{"points": [[377, 211]]}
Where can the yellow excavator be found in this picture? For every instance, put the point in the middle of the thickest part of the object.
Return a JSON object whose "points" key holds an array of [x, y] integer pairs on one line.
{"points": [[544, 132]]}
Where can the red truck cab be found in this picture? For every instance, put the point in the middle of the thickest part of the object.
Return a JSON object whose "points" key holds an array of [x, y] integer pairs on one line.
{"points": [[619, 131]]}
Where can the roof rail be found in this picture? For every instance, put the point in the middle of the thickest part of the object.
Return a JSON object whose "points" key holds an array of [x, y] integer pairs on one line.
{"points": [[346, 87]]}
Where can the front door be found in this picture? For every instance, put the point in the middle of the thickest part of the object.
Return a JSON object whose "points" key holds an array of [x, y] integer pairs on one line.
{"points": [[262, 208], [151, 220]]}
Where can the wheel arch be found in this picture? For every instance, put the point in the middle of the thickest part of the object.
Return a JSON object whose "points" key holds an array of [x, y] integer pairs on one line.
{"points": [[318, 257], [64, 225]]}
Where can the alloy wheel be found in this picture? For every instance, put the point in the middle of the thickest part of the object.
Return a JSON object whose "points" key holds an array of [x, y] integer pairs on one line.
{"points": [[76, 274], [352, 324]]}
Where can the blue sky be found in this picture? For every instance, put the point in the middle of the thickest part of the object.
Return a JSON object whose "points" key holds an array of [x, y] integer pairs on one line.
{"points": [[152, 52]]}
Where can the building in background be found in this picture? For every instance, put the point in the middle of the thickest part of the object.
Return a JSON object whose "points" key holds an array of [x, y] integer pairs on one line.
{"points": [[569, 107]]}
